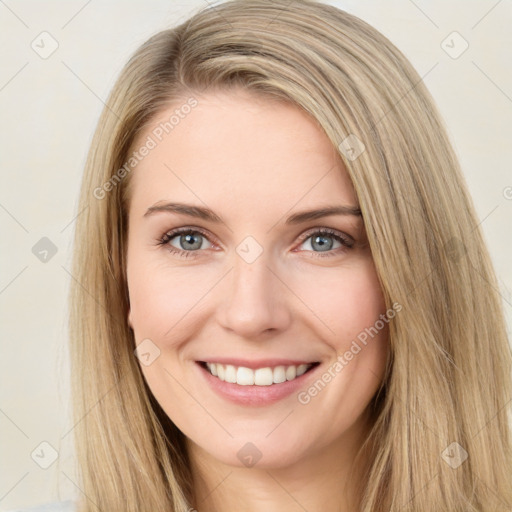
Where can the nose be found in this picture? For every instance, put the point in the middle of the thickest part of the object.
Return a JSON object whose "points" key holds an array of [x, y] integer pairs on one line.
{"points": [[253, 300]]}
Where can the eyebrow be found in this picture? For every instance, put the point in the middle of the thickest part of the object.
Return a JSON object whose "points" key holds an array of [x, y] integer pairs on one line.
{"points": [[209, 215]]}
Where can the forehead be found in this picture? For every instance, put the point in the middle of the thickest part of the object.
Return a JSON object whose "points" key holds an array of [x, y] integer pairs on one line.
{"points": [[235, 150]]}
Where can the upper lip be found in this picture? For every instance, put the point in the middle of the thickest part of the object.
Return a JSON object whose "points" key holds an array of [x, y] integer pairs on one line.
{"points": [[256, 363]]}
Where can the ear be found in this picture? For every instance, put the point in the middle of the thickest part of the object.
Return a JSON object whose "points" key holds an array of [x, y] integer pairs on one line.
{"points": [[130, 319]]}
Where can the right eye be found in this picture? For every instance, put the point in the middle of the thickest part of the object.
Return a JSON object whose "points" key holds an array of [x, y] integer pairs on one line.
{"points": [[184, 241]]}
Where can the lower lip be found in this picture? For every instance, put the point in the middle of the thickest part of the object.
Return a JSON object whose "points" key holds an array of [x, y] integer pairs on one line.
{"points": [[255, 395]]}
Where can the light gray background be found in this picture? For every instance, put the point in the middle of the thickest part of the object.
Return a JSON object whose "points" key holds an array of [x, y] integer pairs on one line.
{"points": [[49, 110]]}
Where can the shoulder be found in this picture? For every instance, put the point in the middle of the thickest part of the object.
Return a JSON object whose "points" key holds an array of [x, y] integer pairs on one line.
{"points": [[61, 506]]}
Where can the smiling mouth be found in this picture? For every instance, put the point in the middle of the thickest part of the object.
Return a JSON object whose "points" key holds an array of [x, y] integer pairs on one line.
{"points": [[267, 376]]}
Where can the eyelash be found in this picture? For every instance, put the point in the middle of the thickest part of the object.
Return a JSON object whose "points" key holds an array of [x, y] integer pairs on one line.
{"points": [[168, 236]]}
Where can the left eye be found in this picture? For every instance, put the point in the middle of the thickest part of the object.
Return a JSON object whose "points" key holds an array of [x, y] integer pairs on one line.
{"points": [[322, 242]]}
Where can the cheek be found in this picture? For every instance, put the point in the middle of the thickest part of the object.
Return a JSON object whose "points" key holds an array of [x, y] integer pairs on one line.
{"points": [[350, 302], [345, 300], [163, 298]]}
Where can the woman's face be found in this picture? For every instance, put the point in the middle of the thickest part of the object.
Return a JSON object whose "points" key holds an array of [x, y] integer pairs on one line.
{"points": [[251, 284]]}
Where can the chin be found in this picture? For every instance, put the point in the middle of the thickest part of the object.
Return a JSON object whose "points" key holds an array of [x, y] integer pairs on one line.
{"points": [[258, 451]]}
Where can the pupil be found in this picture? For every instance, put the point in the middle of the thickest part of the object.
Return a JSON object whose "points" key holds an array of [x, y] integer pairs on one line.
{"points": [[323, 246], [189, 239]]}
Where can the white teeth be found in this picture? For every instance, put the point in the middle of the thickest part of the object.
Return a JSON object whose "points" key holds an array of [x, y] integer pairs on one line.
{"points": [[260, 377], [279, 374], [263, 377], [301, 369], [230, 375], [291, 372], [244, 376]]}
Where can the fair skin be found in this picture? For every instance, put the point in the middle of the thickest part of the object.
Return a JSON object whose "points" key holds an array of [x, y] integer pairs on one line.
{"points": [[306, 297]]}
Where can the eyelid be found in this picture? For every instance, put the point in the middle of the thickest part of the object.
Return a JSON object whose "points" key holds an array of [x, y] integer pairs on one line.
{"points": [[326, 230]]}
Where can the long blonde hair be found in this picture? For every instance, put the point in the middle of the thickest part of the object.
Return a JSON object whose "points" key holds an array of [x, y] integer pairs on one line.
{"points": [[449, 370]]}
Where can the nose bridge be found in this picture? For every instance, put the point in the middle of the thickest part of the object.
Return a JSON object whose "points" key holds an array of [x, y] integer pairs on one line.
{"points": [[253, 299]]}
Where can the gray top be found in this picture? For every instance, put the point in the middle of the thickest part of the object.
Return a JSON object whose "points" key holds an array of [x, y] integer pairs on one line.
{"points": [[61, 506]]}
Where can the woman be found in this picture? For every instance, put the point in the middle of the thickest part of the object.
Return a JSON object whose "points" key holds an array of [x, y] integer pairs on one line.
{"points": [[282, 296]]}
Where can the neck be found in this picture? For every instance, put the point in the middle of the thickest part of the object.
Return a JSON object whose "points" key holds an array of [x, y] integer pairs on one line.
{"points": [[326, 480]]}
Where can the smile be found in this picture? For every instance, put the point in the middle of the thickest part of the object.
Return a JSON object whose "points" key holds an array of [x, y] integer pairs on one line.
{"points": [[266, 376]]}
